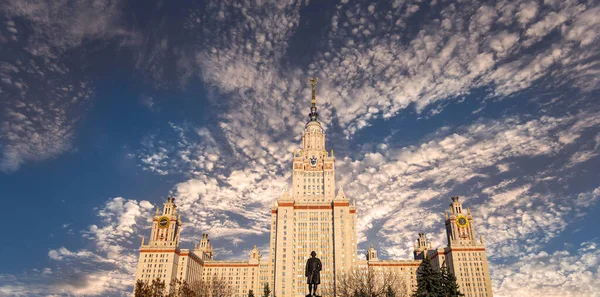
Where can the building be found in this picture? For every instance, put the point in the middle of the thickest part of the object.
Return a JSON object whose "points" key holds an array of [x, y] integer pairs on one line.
{"points": [[311, 216], [464, 256]]}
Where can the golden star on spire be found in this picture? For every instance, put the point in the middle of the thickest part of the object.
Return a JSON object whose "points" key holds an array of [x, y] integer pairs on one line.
{"points": [[313, 81]]}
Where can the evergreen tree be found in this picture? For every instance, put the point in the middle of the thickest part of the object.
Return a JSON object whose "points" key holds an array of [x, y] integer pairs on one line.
{"points": [[449, 285], [429, 281], [267, 291], [389, 291], [250, 293]]}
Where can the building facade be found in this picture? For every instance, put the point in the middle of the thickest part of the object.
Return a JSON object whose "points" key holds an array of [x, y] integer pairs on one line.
{"points": [[311, 216]]}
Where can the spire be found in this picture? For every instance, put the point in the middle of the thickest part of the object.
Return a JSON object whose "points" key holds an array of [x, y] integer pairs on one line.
{"points": [[313, 115], [341, 194]]}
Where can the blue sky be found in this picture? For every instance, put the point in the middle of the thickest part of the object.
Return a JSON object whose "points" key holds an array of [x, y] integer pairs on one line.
{"points": [[108, 107]]}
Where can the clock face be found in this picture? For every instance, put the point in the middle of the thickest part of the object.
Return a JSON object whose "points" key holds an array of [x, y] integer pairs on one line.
{"points": [[313, 161], [163, 222], [462, 221]]}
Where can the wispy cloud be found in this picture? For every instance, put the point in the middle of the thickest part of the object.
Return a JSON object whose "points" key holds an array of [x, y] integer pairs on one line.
{"points": [[558, 273], [376, 61], [105, 268], [42, 99]]}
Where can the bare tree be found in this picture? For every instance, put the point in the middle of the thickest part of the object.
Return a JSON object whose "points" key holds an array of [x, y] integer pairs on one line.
{"points": [[213, 287], [156, 288], [181, 289], [368, 283]]}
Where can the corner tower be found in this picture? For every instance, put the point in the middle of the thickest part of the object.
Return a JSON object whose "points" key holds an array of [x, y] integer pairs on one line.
{"points": [[159, 257], [166, 226], [465, 256], [459, 226]]}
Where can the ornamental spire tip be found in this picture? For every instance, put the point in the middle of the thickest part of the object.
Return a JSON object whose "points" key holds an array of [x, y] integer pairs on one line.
{"points": [[313, 81]]}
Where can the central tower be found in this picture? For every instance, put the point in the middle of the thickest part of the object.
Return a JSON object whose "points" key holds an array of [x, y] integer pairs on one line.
{"points": [[310, 217], [313, 177]]}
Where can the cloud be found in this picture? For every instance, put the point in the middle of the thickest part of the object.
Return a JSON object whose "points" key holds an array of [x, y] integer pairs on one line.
{"points": [[376, 69], [559, 273], [43, 98], [411, 182], [58, 26], [36, 128], [106, 267]]}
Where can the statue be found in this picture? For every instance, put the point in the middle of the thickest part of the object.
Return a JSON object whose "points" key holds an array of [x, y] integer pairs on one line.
{"points": [[313, 274]]}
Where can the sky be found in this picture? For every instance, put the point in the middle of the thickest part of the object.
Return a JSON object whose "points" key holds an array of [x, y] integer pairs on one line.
{"points": [[109, 107]]}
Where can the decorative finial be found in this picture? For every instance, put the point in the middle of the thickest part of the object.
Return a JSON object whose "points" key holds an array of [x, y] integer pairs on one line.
{"points": [[313, 81], [156, 210], [313, 115]]}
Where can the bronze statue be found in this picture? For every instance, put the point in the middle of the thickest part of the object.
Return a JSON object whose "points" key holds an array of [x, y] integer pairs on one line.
{"points": [[313, 274]]}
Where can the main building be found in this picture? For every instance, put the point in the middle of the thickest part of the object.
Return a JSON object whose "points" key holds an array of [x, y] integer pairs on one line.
{"points": [[311, 217]]}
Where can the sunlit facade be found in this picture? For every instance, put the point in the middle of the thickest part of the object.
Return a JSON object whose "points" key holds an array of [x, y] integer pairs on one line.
{"points": [[311, 216]]}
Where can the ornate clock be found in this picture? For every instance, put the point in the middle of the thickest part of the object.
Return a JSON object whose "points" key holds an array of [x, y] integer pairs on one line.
{"points": [[462, 222], [313, 161], [163, 222]]}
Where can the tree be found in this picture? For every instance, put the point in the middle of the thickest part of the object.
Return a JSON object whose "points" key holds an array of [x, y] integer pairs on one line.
{"points": [[157, 288], [367, 283], [141, 289], [214, 287], [181, 289], [429, 282], [449, 285], [266, 291], [390, 292], [250, 293]]}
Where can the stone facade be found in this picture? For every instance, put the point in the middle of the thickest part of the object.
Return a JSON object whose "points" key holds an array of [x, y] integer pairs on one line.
{"points": [[311, 217]]}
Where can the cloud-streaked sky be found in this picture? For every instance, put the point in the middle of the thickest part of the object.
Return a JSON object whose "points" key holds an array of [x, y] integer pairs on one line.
{"points": [[108, 107]]}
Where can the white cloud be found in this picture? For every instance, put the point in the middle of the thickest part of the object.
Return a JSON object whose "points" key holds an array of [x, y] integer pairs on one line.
{"points": [[412, 182], [43, 99], [58, 26], [527, 12], [106, 267], [40, 128], [446, 58], [560, 273]]}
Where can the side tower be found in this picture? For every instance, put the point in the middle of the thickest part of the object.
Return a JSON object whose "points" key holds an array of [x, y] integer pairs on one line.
{"points": [[204, 249], [421, 247], [159, 257], [465, 255]]}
